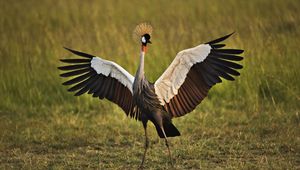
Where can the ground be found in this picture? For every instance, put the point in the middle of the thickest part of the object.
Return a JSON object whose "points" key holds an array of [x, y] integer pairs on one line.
{"points": [[91, 140]]}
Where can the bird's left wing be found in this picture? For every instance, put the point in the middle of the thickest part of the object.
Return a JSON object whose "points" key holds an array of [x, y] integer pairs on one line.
{"points": [[102, 78], [186, 82]]}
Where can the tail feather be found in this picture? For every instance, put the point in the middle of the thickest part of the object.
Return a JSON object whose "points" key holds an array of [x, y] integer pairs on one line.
{"points": [[170, 130]]}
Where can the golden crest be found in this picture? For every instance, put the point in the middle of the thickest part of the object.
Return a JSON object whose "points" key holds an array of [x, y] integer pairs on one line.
{"points": [[142, 29]]}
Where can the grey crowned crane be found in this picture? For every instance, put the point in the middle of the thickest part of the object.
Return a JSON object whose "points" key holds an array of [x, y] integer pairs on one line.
{"points": [[183, 85]]}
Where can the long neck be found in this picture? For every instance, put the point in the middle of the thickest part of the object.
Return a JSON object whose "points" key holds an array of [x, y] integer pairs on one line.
{"points": [[139, 76], [140, 71]]}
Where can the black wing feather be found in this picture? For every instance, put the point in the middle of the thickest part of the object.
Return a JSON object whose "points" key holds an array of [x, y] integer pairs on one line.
{"points": [[79, 78], [76, 72], [227, 57], [217, 45], [224, 62], [82, 54], [219, 39], [81, 84], [74, 67], [75, 60], [228, 51]]}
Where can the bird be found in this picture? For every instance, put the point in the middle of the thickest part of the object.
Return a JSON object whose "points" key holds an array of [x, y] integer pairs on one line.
{"points": [[181, 87]]}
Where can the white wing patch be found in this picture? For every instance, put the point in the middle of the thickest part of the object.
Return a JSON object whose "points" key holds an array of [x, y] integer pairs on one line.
{"points": [[166, 87], [109, 68]]}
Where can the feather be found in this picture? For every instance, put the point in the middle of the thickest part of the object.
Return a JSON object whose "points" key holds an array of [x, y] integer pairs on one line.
{"points": [[100, 86], [225, 63], [80, 85], [186, 97], [73, 67], [79, 78], [177, 105], [111, 90], [81, 91], [75, 60], [105, 87], [212, 75], [118, 90], [226, 57], [219, 39], [76, 72], [226, 69], [225, 75], [228, 51], [217, 45], [79, 53], [83, 84], [94, 85], [185, 107]]}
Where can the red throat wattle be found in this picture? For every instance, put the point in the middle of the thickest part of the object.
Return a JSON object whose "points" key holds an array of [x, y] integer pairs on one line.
{"points": [[144, 48]]}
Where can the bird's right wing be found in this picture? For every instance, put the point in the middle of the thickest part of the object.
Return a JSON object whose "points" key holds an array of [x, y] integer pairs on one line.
{"points": [[185, 83], [102, 78]]}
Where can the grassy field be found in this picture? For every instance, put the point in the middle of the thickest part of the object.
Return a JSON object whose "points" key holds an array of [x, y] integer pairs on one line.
{"points": [[251, 123]]}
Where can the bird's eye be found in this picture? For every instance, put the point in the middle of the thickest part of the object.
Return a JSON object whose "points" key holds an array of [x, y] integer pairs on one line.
{"points": [[143, 39]]}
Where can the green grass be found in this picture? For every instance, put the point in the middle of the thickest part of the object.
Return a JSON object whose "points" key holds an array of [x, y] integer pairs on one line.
{"points": [[251, 123]]}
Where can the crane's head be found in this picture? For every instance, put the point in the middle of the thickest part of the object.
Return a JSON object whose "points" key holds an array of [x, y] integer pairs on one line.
{"points": [[143, 32], [145, 39]]}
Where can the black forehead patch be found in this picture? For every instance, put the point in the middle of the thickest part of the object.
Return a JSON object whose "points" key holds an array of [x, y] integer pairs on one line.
{"points": [[147, 36]]}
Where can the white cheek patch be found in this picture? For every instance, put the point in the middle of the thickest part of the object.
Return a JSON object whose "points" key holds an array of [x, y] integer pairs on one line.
{"points": [[143, 39]]}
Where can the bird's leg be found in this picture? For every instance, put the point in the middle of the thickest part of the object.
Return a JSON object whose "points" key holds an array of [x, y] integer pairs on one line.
{"points": [[146, 144], [167, 144]]}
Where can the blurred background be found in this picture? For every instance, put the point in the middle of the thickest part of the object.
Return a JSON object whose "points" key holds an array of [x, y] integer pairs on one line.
{"points": [[252, 122]]}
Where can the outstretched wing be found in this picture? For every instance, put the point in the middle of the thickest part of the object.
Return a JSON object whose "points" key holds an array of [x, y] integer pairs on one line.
{"points": [[102, 78], [186, 82]]}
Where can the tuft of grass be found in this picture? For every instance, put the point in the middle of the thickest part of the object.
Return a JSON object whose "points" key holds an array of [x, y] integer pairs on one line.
{"points": [[251, 123]]}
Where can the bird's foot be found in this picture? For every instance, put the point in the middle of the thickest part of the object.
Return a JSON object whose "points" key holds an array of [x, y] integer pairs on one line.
{"points": [[141, 167]]}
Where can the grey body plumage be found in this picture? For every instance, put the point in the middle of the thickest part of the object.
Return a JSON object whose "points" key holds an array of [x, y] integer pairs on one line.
{"points": [[144, 94]]}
